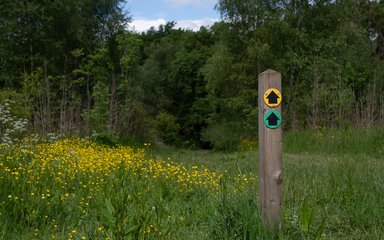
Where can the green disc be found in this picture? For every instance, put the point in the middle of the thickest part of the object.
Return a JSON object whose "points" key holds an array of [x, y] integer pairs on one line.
{"points": [[272, 119]]}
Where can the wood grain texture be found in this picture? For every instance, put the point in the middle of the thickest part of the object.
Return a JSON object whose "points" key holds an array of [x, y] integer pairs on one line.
{"points": [[270, 155]]}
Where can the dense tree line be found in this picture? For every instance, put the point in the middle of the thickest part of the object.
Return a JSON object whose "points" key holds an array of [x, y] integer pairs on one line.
{"points": [[73, 67]]}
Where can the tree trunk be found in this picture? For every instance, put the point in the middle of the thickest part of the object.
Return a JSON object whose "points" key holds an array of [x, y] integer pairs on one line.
{"points": [[89, 102], [63, 105], [314, 121], [47, 110], [113, 104]]}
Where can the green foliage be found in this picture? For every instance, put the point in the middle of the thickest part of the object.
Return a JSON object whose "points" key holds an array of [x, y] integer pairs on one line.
{"points": [[317, 57], [333, 141], [134, 121], [325, 197], [119, 203], [107, 138], [248, 145], [239, 218], [128, 212], [224, 136], [129, 45], [18, 107], [80, 70], [98, 116], [167, 128], [307, 214], [12, 128], [334, 196], [172, 80]]}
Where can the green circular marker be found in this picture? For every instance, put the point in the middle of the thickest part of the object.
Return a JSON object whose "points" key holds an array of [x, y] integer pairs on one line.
{"points": [[272, 119]]}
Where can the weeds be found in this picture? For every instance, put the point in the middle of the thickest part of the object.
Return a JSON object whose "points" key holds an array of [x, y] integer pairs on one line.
{"points": [[76, 189]]}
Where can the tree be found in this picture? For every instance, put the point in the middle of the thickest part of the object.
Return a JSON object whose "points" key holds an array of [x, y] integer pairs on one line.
{"points": [[172, 79], [48, 41]]}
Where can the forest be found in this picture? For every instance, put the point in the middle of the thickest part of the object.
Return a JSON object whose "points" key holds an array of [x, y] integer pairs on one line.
{"points": [[108, 133], [74, 68]]}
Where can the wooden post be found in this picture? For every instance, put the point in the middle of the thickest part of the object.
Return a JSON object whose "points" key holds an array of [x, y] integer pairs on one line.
{"points": [[270, 148]]}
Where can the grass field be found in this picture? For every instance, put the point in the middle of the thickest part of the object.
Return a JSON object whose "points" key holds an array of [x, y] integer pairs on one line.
{"points": [[76, 189], [333, 196]]}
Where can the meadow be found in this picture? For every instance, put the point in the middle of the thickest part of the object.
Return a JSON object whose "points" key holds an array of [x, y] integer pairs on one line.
{"points": [[78, 189]]}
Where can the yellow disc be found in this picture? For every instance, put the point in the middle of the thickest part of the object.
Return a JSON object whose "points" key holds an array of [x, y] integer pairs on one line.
{"points": [[272, 97]]}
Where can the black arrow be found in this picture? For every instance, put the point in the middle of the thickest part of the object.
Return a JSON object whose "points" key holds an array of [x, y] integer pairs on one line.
{"points": [[272, 119], [272, 98]]}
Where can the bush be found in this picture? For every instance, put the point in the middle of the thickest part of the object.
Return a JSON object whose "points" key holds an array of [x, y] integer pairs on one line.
{"points": [[224, 136], [97, 117], [11, 127], [105, 138], [248, 145], [18, 106], [167, 128]]}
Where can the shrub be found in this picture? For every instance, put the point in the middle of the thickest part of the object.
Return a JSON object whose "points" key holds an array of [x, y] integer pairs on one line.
{"points": [[224, 136], [248, 145], [167, 128], [11, 127], [105, 138]]}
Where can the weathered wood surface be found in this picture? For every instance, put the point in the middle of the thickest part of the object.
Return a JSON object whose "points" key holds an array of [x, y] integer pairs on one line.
{"points": [[270, 156]]}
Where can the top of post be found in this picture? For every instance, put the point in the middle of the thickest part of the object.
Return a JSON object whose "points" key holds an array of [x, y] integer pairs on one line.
{"points": [[269, 71]]}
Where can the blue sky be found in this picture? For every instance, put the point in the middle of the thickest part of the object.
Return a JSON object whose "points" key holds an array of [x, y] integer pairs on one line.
{"points": [[190, 14]]}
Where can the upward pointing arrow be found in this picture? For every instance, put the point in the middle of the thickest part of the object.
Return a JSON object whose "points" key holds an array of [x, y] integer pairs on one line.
{"points": [[272, 98], [272, 119]]}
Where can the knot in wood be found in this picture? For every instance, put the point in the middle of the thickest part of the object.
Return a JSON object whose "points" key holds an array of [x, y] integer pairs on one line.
{"points": [[278, 177]]}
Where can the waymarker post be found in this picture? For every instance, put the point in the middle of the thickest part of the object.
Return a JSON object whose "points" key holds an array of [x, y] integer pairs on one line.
{"points": [[270, 148]]}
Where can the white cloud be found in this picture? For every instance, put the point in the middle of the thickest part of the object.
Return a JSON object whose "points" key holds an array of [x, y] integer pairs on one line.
{"points": [[142, 25], [195, 24], [179, 3], [182, 2]]}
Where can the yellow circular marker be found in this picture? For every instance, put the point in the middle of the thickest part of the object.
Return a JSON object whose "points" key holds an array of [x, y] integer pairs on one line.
{"points": [[272, 97]]}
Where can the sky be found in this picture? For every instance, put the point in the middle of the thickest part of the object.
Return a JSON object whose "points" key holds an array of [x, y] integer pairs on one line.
{"points": [[188, 14]]}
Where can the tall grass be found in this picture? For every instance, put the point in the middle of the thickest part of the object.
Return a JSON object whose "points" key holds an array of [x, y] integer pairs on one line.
{"points": [[325, 196], [333, 181], [350, 141], [88, 191], [79, 190]]}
